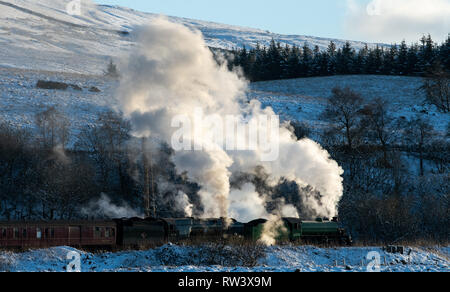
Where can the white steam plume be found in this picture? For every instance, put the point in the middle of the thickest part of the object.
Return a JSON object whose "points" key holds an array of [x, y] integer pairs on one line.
{"points": [[183, 204], [104, 207], [171, 73], [247, 205], [275, 224], [271, 229]]}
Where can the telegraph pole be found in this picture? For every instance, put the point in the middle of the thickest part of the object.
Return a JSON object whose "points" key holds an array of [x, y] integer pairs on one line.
{"points": [[152, 176], [149, 182], [146, 178]]}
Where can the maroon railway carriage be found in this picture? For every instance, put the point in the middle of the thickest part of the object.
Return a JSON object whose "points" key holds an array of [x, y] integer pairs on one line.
{"points": [[95, 234]]}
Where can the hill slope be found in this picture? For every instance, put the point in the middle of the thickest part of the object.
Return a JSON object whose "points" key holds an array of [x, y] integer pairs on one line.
{"points": [[295, 99], [42, 35]]}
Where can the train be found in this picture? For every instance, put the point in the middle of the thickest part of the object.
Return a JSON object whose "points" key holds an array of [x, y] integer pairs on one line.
{"points": [[137, 233]]}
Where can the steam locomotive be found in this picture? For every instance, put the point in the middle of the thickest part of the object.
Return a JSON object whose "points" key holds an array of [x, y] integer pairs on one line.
{"points": [[151, 232]]}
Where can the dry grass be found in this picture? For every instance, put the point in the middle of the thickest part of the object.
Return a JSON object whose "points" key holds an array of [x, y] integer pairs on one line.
{"points": [[6, 262], [419, 243], [218, 253]]}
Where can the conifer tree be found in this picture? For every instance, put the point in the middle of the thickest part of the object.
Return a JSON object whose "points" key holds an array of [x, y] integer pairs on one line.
{"points": [[390, 61], [274, 61], [331, 50], [293, 62], [306, 61], [413, 60], [426, 54], [402, 61], [361, 60], [280, 62], [345, 59], [444, 53]]}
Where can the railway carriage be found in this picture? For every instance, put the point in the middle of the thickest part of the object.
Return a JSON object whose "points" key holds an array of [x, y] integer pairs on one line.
{"points": [[203, 229], [138, 232], [179, 229], [235, 230], [151, 232], [208, 228], [101, 234]]}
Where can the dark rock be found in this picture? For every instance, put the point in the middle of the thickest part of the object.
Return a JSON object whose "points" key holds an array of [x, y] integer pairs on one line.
{"points": [[94, 89], [395, 249], [76, 87], [51, 85]]}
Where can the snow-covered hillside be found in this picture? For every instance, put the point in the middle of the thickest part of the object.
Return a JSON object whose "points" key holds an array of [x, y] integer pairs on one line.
{"points": [[173, 258], [40, 34], [20, 100], [305, 99], [296, 99]]}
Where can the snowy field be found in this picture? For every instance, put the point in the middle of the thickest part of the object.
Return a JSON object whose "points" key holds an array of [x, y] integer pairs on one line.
{"points": [[172, 258], [305, 99], [41, 35], [296, 99], [20, 100]]}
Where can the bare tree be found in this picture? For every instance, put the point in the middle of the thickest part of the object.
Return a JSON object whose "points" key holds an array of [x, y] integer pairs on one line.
{"points": [[343, 111], [379, 125], [15, 159], [107, 142], [300, 129], [53, 128], [437, 88], [111, 70], [419, 133]]}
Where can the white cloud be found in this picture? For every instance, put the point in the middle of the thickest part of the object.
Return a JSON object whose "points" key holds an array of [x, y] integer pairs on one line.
{"points": [[395, 20]]}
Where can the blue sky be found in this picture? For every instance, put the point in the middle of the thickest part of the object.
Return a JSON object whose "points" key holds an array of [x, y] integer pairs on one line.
{"points": [[366, 20], [318, 18]]}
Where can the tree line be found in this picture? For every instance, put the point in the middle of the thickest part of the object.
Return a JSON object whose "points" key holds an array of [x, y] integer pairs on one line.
{"points": [[384, 201], [284, 62], [53, 172], [396, 170]]}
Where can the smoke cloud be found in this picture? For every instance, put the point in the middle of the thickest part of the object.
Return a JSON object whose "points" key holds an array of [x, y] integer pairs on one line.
{"points": [[273, 227], [171, 73], [392, 21], [182, 204], [104, 207], [247, 205]]}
